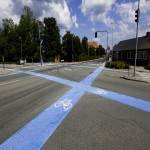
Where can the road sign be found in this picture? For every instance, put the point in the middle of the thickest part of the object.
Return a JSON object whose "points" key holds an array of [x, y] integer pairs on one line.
{"points": [[108, 47]]}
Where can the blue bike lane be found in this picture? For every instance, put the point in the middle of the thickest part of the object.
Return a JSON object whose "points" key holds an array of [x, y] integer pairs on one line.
{"points": [[34, 134]]}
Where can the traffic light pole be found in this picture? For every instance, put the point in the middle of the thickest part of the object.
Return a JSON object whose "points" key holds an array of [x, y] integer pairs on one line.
{"points": [[138, 12], [102, 31]]}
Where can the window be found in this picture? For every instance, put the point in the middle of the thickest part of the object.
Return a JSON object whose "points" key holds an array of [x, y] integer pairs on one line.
{"points": [[130, 55], [142, 55], [122, 55], [116, 55]]}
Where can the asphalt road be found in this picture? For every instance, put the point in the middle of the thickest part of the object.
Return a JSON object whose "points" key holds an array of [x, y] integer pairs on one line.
{"points": [[78, 107]]}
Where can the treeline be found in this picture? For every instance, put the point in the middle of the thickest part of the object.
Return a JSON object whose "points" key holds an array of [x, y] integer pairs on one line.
{"points": [[32, 38]]}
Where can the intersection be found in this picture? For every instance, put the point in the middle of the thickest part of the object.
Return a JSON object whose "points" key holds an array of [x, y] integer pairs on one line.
{"points": [[35, 133]]}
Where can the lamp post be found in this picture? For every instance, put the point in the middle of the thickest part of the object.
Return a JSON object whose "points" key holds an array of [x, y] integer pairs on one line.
{"points": [[21, 48], [40, 43]]}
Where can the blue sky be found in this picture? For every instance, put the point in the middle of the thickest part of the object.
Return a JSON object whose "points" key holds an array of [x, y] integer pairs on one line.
{"points": [[84, 17]]}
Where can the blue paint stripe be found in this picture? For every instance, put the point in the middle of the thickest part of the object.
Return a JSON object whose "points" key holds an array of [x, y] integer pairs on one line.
{"points": [[128, 100], [91, 77], [124, 99], [34, 134]]}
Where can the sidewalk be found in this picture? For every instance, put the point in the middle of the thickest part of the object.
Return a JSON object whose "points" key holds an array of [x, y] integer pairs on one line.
{"points": [[143, 75], [5, 71]]}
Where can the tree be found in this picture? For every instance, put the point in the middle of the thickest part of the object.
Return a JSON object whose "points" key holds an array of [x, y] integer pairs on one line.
{"points": [[100, 51], [85, 45], [76, 47], [51, 38], [67, 43], [92, 51], [8, 25]]}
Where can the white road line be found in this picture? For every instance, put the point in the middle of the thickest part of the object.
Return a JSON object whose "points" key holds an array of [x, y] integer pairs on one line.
{"points": [[9, 82]]}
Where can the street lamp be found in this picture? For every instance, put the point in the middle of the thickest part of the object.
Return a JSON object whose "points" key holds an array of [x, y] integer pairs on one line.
{"points": [[21, 48], [40, 43]]}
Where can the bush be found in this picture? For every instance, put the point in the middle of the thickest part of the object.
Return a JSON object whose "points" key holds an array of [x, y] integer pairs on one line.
{"points": [[117, 65], [147, 67], [83, 57]]}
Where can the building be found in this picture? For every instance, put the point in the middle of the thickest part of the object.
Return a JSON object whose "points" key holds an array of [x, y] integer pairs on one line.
{"points": [[93, 44], [125, 51]]}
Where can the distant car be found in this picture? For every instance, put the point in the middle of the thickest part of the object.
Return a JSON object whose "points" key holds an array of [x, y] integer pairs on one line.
{"points": [[20, 62]]}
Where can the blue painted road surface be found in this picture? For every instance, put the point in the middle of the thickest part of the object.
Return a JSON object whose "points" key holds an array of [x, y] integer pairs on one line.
{"points": [[34, 134]]}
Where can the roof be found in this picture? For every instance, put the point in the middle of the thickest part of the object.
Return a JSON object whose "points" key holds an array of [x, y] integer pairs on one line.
{"points": [[94, 44], [143, 43]]}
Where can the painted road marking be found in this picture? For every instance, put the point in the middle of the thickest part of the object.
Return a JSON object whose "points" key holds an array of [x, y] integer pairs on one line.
{"points": [[100, 91], [84, 84], [9, 82], [66, 103], [34, 134]]}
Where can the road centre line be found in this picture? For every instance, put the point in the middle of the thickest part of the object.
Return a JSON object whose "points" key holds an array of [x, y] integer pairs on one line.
{"points": [[34, 134], [9, 82]]}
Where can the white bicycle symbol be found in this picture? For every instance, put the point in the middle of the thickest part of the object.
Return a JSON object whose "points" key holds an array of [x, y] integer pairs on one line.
{"points": [[66, 104], [100, 91]]}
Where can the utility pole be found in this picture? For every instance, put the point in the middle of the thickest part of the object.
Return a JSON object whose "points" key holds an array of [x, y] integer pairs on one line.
{"points": [[136, 20]]}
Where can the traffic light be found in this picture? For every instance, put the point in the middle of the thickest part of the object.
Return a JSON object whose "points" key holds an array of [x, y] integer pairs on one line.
{"points": [[95, 34], [137, 16]]}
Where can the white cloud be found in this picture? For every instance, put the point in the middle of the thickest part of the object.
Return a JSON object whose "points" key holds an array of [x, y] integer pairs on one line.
{"points": [[93, 29], [127, 26], [46, 8], [83, 25], [6, 11], [74, 21], [96, 40], [97, 10], [60, 12]]}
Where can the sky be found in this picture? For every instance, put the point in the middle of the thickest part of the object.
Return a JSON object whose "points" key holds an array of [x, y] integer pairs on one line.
{"points": [[84, 17]]}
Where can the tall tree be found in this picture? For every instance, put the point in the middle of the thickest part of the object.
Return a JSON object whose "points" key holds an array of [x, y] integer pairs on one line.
{"points": [[51, 38], [100, 51], [68, 45], [85, 44], [76, 47]]}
